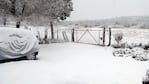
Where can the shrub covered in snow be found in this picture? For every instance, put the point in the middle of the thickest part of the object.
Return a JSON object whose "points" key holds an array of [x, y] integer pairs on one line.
{"points": [[122, 52], [139, 54], [118, 38], [122, 45], [132, 45], [146, 46], [136, 53], [146, 78]]}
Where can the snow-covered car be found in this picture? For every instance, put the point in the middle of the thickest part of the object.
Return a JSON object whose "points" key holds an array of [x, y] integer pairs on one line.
{"points": [[16, 43]]}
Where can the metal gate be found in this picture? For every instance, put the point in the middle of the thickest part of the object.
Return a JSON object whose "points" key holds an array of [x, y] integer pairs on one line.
{"points": [[98, 36]]}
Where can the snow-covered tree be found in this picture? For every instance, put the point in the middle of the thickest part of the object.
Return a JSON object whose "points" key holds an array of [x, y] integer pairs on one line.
{"points": [[21, 9], [18, 8], [4, 10], [55, 10]]}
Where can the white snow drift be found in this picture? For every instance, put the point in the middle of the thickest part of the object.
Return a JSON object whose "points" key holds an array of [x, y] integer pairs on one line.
{"points": [[71, 63]]}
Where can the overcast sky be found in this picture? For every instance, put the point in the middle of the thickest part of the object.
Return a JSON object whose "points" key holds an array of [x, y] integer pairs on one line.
{"points": [[100, 9]]}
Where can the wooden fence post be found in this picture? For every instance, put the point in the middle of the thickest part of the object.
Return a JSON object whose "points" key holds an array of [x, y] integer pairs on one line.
{"points": [[73, 35], [57, 35], [104, 30], [110, 33]]}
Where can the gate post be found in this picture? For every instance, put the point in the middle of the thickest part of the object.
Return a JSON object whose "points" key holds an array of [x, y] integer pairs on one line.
{"points": [[110, 33], [72, 35], [104, 30], [99, 38]]}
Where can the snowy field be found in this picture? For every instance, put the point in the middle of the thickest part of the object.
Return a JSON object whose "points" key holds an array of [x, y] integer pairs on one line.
{"points": [[133, 35], [71, 63]]}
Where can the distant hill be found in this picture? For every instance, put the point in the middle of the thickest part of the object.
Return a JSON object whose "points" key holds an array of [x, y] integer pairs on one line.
{"points": [[118, 22], [128, 21]]}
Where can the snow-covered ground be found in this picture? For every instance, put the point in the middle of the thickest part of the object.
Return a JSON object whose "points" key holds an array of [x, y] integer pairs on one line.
{"points": [[72, 63]]}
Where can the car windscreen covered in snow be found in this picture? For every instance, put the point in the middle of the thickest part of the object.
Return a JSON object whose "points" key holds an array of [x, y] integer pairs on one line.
{"points": [[16, 43]]}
